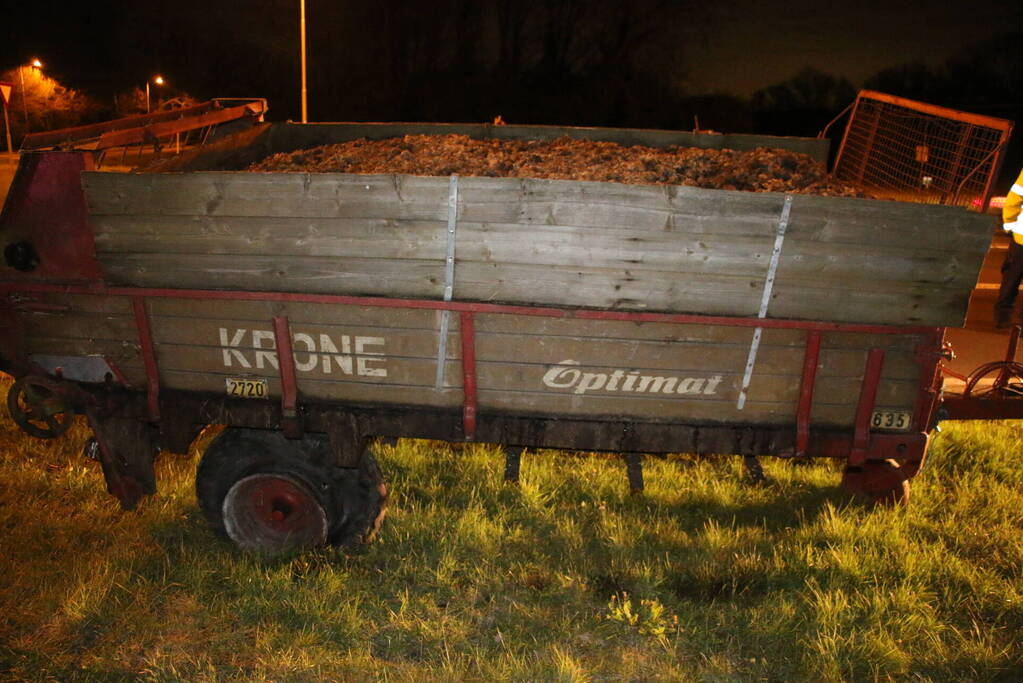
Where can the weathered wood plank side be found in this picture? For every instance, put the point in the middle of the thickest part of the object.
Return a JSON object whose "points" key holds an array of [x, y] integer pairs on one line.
{"points": [[527, 365], [526, 241]]}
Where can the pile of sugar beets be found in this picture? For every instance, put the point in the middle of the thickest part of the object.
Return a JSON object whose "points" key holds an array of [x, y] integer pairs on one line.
{"points": [[758, 170]]}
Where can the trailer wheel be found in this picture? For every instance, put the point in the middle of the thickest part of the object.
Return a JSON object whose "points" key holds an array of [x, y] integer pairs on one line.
{"points": [[877, 482], [36, 405], [271, 494]]}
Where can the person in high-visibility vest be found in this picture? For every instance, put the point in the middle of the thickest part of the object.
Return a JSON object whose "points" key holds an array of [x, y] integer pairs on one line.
{"points": [[1012, 267]]}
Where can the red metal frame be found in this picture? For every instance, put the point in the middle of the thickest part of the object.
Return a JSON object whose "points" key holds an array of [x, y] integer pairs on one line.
{"points": [[463, 306], [470, 398], [865, 406], [929, 355], [46, 206], [289, 377], [811, 358], [863, 441]]}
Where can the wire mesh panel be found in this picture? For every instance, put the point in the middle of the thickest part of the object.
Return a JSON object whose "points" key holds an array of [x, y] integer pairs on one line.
{"points": [[901, 149]]}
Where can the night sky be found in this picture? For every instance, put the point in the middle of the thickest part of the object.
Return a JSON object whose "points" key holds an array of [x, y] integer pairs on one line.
{"points": [[640, 63], [755, 44]]}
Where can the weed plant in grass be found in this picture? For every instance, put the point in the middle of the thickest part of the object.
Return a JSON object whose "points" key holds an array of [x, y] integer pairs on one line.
{"points": [[564, 577]]}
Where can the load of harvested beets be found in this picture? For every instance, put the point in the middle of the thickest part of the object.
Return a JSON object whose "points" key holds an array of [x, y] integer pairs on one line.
{"points": [[758, 170]]}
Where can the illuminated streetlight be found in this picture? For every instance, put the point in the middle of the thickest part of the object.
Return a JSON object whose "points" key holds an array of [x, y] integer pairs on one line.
{"points": [[158, 80], [34, 64]]}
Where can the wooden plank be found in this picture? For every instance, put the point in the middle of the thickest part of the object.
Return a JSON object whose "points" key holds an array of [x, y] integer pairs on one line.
{"points": [[611, 330], [376, 277], [78, 326], [357, 393], [117, 350], [295, 195], [670, 256], [614, 330], [573, 383], [658, 355], [565, 243], [113, 227], [717, 412], [297, 313], [75, 303], [923, 228], [374, 366], [257, 335], [891, 303]]}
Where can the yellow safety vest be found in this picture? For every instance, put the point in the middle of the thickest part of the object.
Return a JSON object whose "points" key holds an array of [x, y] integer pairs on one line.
{"points": [[1011, 219]]}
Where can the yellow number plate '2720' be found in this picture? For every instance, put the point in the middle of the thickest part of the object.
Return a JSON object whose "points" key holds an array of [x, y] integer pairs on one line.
{"points": [[247, 388], [890, 420]]}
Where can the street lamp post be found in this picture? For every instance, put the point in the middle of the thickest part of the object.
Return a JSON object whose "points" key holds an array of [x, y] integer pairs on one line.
{"points": [[305, 108], [159, 81], [34, 64]]}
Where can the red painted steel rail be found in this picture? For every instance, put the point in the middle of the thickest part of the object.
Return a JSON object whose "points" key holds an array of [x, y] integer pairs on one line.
{"points": [[468, 311]]}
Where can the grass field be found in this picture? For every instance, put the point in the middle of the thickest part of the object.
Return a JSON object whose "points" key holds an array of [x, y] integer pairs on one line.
{"points": [[565, 577]]}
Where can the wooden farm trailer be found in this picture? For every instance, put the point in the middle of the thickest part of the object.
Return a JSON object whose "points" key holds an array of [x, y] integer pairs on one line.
{"points": [[312, 313]]}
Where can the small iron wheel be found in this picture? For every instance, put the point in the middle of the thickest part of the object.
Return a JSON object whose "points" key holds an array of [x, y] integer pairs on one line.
{"points": [[37, 406], [272, 494], [274, 513]]}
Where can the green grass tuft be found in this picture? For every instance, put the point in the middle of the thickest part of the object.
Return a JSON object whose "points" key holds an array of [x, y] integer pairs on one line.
{"points": [[565, 577]]}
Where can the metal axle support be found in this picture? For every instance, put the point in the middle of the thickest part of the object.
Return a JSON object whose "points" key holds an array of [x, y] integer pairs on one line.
{"points": [[512, 464], [634, 470], [127, 451], [754, 469]]}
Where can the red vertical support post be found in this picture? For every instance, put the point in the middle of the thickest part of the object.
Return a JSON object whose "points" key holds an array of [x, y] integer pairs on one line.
{"points": [[865, 407], [929, 356], [470, 400], [289, 381], [811, 358], [145, 335]]}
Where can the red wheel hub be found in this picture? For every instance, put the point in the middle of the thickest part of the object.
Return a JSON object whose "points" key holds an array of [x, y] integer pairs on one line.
{"points": [[274, 513]]}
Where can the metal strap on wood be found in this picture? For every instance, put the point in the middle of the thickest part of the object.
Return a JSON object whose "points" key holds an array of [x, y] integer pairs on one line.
{"points": [[772, 270], [449, 280]]}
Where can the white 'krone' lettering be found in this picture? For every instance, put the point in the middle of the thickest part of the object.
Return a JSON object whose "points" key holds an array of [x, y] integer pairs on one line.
{"points": [[230, 352], [309, 352]]}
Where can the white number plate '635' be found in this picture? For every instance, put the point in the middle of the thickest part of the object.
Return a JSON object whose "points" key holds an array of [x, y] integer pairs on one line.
{"points": [[247, 388], [894, 420]]}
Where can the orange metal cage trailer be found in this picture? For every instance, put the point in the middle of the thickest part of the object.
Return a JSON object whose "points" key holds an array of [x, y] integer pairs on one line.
{"points": [[312, 313]]}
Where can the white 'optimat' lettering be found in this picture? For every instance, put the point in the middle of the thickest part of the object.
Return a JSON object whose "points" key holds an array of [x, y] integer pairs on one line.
{"points": [[311, 352], [567, 375]]}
